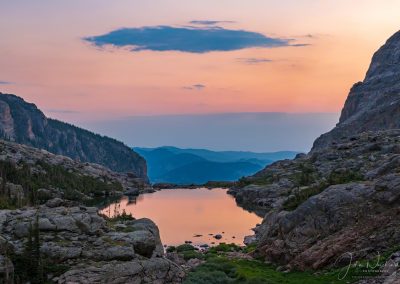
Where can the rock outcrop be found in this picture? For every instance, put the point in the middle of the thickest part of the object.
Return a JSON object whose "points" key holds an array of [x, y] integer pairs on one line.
{"points": [[373, 104], [343, 197], [27, 172], [24, 123], [79, 246]]}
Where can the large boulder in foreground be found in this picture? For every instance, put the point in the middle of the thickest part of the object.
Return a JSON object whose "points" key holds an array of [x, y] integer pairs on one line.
{"points": [[84, 247]]}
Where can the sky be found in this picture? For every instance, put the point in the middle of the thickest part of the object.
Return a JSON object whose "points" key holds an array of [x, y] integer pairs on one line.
{"points": [[98, 62]]}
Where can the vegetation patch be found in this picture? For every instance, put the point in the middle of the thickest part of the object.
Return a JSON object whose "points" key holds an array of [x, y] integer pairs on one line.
{"points": [[185, 247], [224, 247], [307, 178], [220, 269], [189, 254], [71, 183], [223, 270]]}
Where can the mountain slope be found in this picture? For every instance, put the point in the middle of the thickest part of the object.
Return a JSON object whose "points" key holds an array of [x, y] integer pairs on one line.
{"points": [[201, 172], [373, 104], [29, 176], [342, 199], [227, 156], [24, 123], [188, 166]]}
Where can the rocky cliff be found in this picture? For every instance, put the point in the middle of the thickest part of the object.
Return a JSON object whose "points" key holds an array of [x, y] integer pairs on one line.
{"points": [[24, 123], [62, 243], [373, 104], [47, 235], [339, 203], [29, 176]]}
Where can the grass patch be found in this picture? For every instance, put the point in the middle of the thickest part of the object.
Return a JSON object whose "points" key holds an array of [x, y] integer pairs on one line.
{"points": [[344, 177], [302, 195], [306, 177], [224, 247], [189, 254], [220, 270]]}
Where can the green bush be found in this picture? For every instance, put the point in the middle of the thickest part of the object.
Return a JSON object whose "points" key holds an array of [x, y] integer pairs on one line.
{"points": [[344, 177], [302, 195], [185, 247], [171, 249], [306, 177], [189, 254], [224, 247]]}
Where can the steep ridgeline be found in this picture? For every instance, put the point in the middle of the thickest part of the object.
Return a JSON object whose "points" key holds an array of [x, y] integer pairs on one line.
{"points": [[340, 202], [373, 104], [24, 123], [31, 176]]}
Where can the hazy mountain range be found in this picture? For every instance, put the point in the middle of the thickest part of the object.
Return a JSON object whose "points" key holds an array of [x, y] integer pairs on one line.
{"points": [[197, 166]]}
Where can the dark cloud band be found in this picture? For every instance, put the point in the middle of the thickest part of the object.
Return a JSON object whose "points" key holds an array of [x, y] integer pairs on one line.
{"points": [[198, 87], [185, 39], [209, 22], [254, 60]]}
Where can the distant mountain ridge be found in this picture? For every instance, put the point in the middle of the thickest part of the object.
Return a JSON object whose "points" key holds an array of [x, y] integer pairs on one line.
{"points": [[198, 166], [24, 123]]}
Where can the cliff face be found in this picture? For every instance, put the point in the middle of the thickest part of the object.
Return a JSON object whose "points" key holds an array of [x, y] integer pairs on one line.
{"points": [[24, 123], [344, 196], [373, 104]]}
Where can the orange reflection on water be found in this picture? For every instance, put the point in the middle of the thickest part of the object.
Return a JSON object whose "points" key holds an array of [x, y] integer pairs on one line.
{"points": [[181, 214]]}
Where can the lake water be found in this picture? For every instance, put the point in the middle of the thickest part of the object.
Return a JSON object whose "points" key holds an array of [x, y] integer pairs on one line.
{"points": [[182, 214]]}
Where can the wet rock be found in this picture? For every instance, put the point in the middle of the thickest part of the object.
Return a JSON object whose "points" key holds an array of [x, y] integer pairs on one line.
{"points": [[132, 192], [249, 240]]}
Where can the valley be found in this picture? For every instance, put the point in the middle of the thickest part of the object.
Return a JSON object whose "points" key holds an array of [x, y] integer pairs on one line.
{"points": [[320, 217]]}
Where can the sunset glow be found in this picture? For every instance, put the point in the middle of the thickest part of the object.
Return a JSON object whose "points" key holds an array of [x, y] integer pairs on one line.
{"points": [[45, 59]]}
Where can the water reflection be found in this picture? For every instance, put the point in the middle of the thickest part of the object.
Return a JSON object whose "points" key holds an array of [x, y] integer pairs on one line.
{"points": [[190, 215]]}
